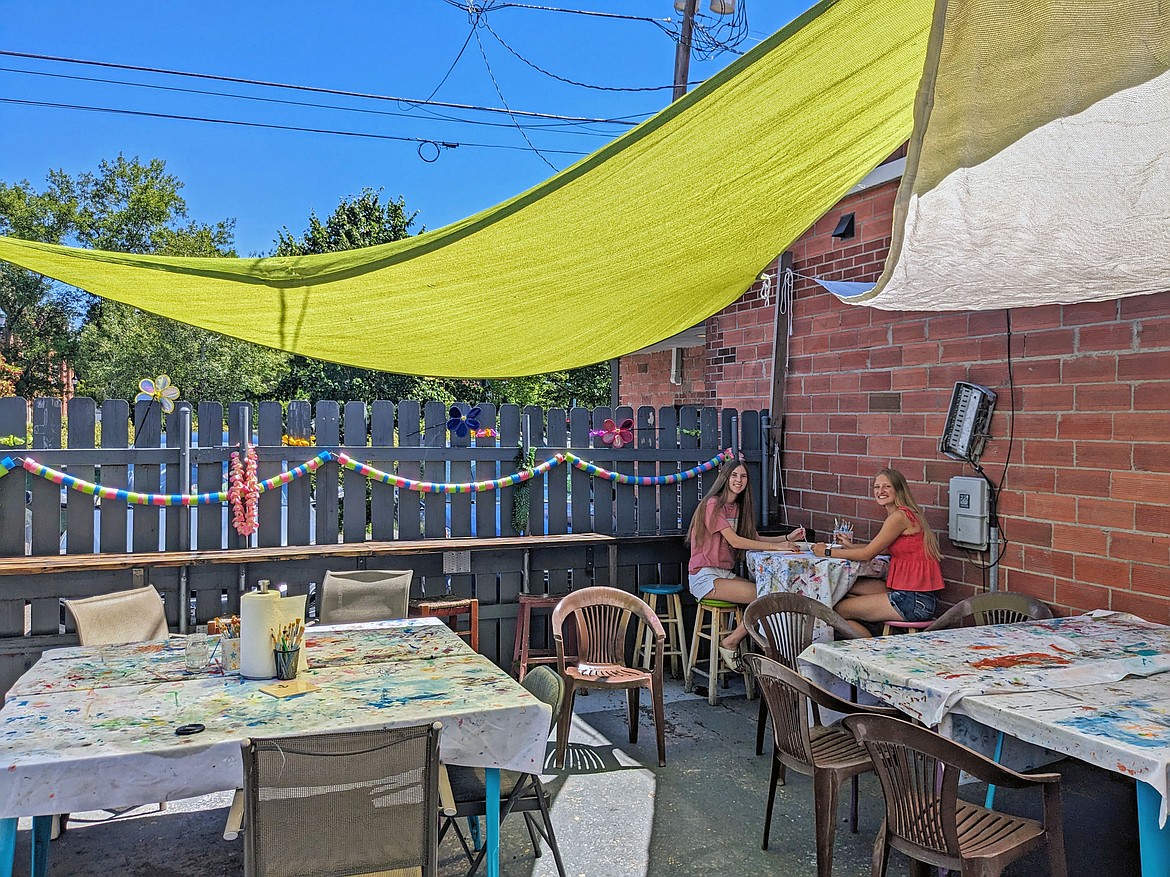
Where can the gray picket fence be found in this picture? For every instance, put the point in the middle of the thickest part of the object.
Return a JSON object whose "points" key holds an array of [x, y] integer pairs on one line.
{"points": [[137, 448]]}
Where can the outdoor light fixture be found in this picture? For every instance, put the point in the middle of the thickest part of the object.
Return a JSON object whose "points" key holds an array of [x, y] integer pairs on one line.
{"points": [[719, 7], [967, 422], [844, 227]]}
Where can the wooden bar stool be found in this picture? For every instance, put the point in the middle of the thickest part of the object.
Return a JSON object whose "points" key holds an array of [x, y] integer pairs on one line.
{"points": [[522, 652], [672, 621], [714, 618], [451, 609], [890, 627]]}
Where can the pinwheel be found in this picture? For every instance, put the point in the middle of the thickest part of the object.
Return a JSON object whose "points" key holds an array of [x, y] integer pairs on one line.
{"points": [[159, 390], [615, 435], [460, 423]]}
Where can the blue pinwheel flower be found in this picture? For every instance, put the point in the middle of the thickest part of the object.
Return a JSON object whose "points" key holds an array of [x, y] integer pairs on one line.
{"points": [[461, 424]]}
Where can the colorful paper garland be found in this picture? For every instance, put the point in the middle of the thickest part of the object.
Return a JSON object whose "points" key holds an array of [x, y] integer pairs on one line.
{"points": [[310, 466]]}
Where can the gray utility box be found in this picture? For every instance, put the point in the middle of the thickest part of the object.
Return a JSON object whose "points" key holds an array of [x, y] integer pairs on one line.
{"points": [[967, 518]]}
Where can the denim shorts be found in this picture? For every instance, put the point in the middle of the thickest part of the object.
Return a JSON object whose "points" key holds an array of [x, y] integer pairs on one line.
{"points": [[702, 581], [914, 605]]}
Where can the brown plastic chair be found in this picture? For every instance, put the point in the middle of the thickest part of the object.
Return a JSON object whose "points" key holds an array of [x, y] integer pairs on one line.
{"points": [[350, 803], [827, 753], [998, 607], [364, 595], [782, 625], [919, 773], [603, 619], [133, 616], [522, 792]]}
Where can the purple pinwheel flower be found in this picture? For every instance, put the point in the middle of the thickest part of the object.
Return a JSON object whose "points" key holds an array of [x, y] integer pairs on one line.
{"points": [[459, 423]]}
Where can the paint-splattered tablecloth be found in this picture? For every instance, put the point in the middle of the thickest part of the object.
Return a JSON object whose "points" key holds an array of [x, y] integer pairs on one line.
{"points": [[1119, 726], [824, 579], [82, 667], [926, 674], [116, 746]]}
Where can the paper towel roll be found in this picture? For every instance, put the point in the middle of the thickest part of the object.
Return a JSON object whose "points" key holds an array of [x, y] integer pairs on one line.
{"points": [[260, 615]]}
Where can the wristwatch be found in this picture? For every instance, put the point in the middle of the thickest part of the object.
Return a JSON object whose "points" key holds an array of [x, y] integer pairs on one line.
{"points": [[828, 551]]}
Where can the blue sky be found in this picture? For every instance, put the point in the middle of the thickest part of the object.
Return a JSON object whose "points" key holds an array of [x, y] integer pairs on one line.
{"points": [[270, 179]]}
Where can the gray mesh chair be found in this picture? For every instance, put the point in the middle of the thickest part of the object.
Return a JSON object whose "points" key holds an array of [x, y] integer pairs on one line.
{"points": [[342, 804], [522, 792], [364, 595], [133, 616]]}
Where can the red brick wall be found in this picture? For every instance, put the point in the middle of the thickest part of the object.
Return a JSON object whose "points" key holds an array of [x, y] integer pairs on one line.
{"points": [[645, 378], [1085, 504]]}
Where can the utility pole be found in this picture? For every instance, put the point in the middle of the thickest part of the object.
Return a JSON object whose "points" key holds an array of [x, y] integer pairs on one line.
{"points": [[682, 55]]}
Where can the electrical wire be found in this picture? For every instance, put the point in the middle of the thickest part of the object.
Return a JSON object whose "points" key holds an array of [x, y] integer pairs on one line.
{"points": [[558, 78], [315, 89], [587, 12], [576, 128], [496, 85], [444, 144]]}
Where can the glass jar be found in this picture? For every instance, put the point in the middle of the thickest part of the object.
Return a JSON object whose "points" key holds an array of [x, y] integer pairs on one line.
{"points": [[197, 654]]}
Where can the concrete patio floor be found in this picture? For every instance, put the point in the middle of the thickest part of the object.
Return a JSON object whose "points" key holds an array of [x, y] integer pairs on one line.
{"points": [[617, 814]]}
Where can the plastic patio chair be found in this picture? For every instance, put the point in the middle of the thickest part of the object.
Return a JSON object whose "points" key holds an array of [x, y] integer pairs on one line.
{"points": [[350, 803], [133, 616], [364, 595], [603, 618], [827, 753], [919, 774], [522, 792], [782, 625], [997, 607]]}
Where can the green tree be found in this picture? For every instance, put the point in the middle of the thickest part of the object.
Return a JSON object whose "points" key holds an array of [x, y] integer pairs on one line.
{"points": [[126, 206]]}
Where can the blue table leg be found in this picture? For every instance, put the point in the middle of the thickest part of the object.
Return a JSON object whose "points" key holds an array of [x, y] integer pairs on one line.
{"points": [[42, 827], [7, 846], [492, 802], [989, 801], [1153, 841], [476, 834]]}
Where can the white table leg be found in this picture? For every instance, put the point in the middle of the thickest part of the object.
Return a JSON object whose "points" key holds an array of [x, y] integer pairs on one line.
{"points": [[492, 802]]}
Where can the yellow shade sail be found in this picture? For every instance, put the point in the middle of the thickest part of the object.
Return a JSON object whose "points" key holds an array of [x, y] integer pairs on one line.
{"points": [[646, 237]]}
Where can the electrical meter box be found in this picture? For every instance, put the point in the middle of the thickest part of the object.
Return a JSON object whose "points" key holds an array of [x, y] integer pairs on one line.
{"points": [[968, 518]]}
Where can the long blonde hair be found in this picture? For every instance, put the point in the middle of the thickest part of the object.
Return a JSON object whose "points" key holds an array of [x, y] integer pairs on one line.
{"points": [[903, 498], [720, 492]]}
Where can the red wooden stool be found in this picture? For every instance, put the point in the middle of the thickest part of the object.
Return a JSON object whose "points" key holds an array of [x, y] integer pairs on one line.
{"points": [[522, 652], [450, 609]]}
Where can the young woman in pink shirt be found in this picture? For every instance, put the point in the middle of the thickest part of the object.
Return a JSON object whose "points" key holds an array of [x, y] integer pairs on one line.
{"points": [[724, 525], [915, 577]]}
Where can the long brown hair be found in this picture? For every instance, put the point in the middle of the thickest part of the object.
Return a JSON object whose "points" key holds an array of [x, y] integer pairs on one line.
{"points": [[720, 492], [903, 498]]}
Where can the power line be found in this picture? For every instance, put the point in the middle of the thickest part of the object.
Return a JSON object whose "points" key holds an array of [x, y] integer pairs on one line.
{"points": [[588, 12], [491, 76], [315, 89], [552, 75], [296, 103], [442, 144]]}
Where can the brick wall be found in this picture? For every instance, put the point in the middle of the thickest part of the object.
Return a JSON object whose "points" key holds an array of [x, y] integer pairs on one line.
{"points": [[1085, 504]]}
